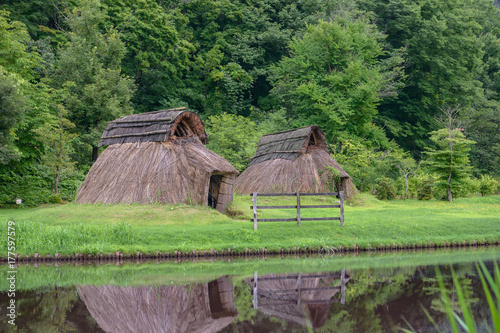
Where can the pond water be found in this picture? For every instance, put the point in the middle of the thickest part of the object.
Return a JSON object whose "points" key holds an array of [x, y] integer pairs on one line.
{"points": [[371, 292]]}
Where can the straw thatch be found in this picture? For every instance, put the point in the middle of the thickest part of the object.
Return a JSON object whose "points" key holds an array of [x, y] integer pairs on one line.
{"points": [[137, 168], [156, 126], [276, 299], [205, 308], [292, 161]]}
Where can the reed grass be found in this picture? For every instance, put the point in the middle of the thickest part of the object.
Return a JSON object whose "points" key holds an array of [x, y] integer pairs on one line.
{"points": [[463, 320]]}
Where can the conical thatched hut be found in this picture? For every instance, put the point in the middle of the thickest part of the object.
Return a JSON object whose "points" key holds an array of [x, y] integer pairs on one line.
{"points": [[158, 157], [292, 161], [204, 308]]}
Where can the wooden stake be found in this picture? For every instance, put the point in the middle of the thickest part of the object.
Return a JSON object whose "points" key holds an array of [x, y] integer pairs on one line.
{"points": [[341, 208], [299, 284], [255, 290], [342, 287], [298, 209], [254, 210]]}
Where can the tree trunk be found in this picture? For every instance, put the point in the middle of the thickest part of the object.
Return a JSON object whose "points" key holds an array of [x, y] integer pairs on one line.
{"points": [[56, 183], [406, 181], [95, 150], [450, 199]]}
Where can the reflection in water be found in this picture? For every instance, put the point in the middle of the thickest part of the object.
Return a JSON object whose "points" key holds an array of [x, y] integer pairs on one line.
{"points": [[203, 308], [361, 300], [301, 298]]}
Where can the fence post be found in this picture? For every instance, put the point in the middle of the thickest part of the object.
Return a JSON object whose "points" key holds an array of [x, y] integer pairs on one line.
{"points": [[341, 208], [342, 287], [298, 209], [299, 284], [255, 291], [254, 199]]}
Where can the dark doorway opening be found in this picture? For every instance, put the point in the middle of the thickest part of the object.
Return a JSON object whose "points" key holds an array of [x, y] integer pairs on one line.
{"points": [[312, 140], [213, 190]]}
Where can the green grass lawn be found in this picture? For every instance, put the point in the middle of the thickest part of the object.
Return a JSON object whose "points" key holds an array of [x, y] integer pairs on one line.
{"points": [[369, 223]]}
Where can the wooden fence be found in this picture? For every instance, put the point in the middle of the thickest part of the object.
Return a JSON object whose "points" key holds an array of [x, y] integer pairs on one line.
{"points": [[298, 207], [275, 297]]}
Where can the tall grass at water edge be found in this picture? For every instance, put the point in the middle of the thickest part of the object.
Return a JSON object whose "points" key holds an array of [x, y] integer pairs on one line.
{"points": [[32, 236], [465, 322]]}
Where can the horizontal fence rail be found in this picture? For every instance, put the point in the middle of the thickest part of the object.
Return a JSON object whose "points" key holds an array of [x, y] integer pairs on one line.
{"points": [[298, 206], [274, 297]]}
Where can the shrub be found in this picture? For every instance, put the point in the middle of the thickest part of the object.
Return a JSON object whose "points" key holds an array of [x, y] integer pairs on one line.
{"points": [[233, 137], [55, 199], [385, 189], [487, 185], [425, 191]]}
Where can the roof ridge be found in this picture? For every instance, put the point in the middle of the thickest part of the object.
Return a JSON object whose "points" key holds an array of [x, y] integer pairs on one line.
{"points": [[290, 130]]}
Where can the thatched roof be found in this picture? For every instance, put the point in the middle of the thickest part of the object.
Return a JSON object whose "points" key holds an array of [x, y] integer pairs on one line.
{"points": [[158, 157], [153, 172], [172, 309], [289, 144], [291, 161], [156, 126]]}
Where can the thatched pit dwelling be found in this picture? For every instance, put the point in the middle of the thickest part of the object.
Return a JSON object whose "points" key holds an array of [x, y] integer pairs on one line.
{"points": [[158, 157], [292, 161], [199, 308]]}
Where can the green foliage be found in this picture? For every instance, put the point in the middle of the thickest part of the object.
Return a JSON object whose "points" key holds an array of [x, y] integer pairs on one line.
{"points": [[93, 89], [449, 160], [55, 199], [283, 64], [157, 54], [365, 164], [385, 189], [333, 77], [16, 69], [487, 185], [444, 61], [57, 140], [424, 188], [233, 137], [459, 312], [220, 88], [13, 55], [33, 183], [11, 108]]}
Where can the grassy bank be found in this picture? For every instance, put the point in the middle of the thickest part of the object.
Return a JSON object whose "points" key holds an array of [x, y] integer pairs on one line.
{"points": [[72, 228]]}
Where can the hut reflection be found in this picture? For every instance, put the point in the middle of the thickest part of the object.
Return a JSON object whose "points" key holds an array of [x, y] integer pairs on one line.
{"points": [[301, 298], [207, 307]]}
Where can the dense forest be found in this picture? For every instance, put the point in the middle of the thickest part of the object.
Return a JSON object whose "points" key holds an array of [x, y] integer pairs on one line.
{"points": [[407, 91]]}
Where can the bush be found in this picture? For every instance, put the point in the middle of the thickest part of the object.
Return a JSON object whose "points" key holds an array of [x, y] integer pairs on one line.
{"points": [[385, 189], [33, 184], [366, 164], [233, 137], [55, 199], [464, 188], [487, 185], [425, 192]]}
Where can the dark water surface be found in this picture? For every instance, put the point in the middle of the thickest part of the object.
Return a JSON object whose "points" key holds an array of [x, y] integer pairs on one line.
{"points": [[358, 293]]}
